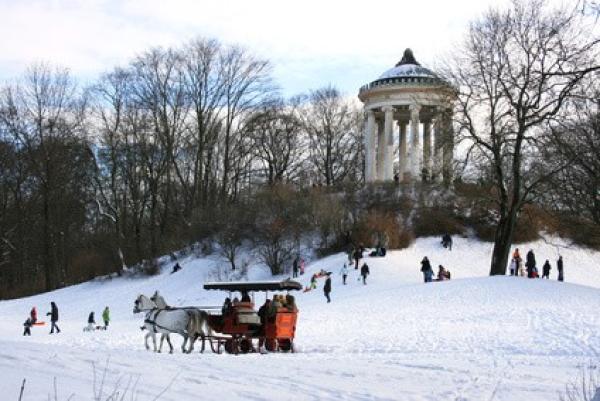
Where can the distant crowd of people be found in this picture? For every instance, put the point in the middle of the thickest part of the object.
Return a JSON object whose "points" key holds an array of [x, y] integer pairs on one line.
{"points": [[32, 320], [530, 269]]}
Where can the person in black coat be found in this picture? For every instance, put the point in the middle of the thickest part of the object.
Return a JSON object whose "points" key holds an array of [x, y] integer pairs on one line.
{"points": [[447, 241], [295, 268], [364, 272], [530, 263], [427, 270], [559, 267], [357, 257], [327, 288], [53, 317], [546, 269]]}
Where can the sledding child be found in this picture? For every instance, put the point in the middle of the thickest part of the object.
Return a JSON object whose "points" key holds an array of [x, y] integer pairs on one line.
{"points": [[28, 323], [91, 322]]}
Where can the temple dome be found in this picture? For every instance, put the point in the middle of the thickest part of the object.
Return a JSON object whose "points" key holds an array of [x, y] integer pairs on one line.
{"points": [[408, 67]]}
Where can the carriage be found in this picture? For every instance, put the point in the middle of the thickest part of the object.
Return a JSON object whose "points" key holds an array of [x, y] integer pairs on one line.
{"points": [[238, 328]]}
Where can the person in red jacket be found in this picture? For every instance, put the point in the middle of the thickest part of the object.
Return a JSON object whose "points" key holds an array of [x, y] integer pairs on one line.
{"points": [[33, 315]]}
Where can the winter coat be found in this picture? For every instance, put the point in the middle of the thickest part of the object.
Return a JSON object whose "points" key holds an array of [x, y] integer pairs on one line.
{"points": [[327, 287], [33, 315], [530, 260], [106, 315], [91, 319], [295, 267], [426, 266], [28, 322], [364, 270], [53, 312], [559, 265], [514, 265], [546, 268]]}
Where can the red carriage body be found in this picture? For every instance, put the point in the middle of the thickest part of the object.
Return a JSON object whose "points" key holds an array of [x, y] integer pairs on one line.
{"points": [[240, 326]]}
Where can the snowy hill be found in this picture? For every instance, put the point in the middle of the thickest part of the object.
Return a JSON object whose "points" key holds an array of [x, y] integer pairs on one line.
{"points": [[472, 338]]}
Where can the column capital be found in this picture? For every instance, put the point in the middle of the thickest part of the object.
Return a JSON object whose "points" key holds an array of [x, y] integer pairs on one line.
{"points": [[387, 109], [414, 107]]}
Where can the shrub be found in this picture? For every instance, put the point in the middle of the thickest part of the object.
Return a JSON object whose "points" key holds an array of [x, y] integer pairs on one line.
{"points": [[436, 221], [381, 228]]}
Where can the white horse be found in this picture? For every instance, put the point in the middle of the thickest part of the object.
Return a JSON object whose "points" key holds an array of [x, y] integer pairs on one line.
{"points": [[190, 323]]}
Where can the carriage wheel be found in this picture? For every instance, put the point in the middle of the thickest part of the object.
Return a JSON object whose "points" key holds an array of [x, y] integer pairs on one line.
{"points": [[245, 345], [232, 346], [284, 345], [271, 344]]}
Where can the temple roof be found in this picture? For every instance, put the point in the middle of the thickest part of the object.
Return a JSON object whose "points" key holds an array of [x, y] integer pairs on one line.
{"points": [[408, 66]]}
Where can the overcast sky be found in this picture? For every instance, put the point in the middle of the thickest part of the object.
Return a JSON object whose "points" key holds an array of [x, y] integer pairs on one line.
{"points": [[311, 43]]}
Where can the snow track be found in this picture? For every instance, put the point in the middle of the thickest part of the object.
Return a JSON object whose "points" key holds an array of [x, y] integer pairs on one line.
{"points": [[472, 338]]}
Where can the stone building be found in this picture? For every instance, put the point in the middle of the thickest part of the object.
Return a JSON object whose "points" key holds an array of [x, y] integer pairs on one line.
{"points": [[408, 125]]}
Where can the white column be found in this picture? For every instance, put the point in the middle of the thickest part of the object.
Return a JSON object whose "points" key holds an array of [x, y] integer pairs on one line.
{"points": [[370, 143], [388, 163], [426, 150], [415, 154], [380, 150], [403, 165], [436, 174]]}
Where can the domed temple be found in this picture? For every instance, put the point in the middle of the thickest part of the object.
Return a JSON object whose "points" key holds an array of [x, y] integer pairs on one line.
{"points": [[408, 96]]}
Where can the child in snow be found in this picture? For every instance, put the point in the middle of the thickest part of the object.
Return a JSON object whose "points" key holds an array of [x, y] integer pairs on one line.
{"points": [[344, 273], [546, 269], [327, 288], [301, 266], [33, 315], [91, 322], [28, 323], [106, 317], [364, 272], [427, 270]]}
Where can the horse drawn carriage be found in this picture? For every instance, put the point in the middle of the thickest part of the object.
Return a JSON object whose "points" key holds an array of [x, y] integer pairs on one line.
{"points": [[237, 326]]}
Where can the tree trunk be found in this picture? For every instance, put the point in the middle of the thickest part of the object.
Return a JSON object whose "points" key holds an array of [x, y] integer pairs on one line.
{"points": [[502, 243]]}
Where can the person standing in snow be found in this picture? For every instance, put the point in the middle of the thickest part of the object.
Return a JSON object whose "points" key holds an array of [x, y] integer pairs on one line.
{"points": [[28, 323], [302, 264], [295, 268], [327, 288], [546, 269], [53, 318], [530, 264], [364, 272], [344, 273], [427, 270], [447, 241], [33, 315], [106, 317], [514, 267], [559, 267], [357, 257]]}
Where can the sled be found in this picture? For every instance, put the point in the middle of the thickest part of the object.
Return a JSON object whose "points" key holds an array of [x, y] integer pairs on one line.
{"points": [[39, 324]]}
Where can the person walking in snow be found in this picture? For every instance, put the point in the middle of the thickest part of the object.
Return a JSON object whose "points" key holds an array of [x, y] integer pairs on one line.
{"points": [[559, 267], [295, 268], [514, 266], [302, 265], [357, 257], [33, 315], [27, 325], [106, 317], [427, 270], [546, 269], [344, 273], [530, 264], [447, 241], [327, 288], [53, 318], [364, 272]]}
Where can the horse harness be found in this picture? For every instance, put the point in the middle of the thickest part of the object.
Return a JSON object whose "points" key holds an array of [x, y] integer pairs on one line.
{"points": [[153, 322]]}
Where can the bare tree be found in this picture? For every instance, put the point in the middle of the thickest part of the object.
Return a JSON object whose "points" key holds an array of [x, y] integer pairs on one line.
{"points": [[331, 124], [275, 132], [513, 75]]}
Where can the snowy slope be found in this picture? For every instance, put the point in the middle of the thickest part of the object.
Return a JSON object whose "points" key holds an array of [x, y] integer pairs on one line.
{"points": [[473, 338]]}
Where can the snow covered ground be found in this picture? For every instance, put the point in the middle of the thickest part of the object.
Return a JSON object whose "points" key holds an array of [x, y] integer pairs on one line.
{"points": [[472, 338]]}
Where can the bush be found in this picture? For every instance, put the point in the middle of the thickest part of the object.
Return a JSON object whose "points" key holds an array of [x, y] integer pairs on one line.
{"points": [[381, 228], [436, 222]]}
